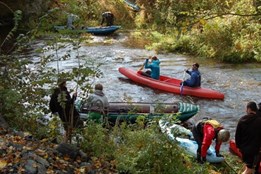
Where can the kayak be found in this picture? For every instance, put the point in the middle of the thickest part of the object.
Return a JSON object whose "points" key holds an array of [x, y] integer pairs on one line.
{"points": [[169, 84], [233, 149], [184, 138], [102, 30], [130, 112], [93, 30], [132, 5]]}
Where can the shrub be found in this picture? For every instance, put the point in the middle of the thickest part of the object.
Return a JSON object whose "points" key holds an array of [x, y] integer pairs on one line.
{"points": [[216, 37], [147, 151], [97, 142]]}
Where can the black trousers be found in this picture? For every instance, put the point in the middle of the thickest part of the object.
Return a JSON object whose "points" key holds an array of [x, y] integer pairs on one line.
{"points": [[257, 163], [147, 73], [198, 136]]}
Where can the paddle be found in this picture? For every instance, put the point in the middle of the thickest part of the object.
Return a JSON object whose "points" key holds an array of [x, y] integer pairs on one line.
{"points": [[142, 66], [182, 84]]}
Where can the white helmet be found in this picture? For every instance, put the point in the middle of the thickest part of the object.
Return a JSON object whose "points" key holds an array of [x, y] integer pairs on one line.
{"points": [[223, 135]]}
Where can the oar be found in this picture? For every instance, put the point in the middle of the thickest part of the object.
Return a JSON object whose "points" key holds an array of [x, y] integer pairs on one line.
{"points": [[182, 84], [142, 66]]}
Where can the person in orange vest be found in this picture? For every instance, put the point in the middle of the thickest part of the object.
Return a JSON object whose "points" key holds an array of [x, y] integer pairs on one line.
{"points": [[204, 132]]}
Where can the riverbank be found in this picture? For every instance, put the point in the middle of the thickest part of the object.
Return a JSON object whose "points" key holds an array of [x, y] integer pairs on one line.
{"points": [[23, 153], [216, 32], [101, 152]]}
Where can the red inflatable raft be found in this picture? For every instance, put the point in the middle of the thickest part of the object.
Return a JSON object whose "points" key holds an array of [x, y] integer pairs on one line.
{"points": [[233, 148], [169, 84]]}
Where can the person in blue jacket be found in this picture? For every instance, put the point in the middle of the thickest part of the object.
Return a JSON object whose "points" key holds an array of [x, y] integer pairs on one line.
{"points": [[154, 67], [195, 77]]}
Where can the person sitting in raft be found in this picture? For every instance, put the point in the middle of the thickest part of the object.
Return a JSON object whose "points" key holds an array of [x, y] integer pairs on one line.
{"points": [[97, 104], [204, 131], [195, 77], [154, 67]]}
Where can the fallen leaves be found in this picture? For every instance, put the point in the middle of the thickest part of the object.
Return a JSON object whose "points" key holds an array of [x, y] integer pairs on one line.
{"points": [[41, 153], [214, 172], [17, 150], [3, 163]]}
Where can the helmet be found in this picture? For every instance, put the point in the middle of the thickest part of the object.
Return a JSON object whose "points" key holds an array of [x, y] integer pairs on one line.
{"points": [[223, 135]]}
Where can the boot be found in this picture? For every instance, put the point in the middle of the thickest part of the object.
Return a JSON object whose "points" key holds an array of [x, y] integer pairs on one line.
{"points": [[203, 160], [198, 157]]}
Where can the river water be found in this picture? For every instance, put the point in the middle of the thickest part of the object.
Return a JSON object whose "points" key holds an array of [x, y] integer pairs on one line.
{"points": [[239, 83]]}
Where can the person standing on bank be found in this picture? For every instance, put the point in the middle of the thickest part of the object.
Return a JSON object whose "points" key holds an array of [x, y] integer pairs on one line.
{"points": [[154, 67], [97, 104], [195, 77], [62, 103], [248, 138], [108, 18], [204, 132], [70, 19]]}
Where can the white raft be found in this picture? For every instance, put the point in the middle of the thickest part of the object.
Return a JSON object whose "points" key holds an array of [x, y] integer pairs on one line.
{"points": [[184, 138]]}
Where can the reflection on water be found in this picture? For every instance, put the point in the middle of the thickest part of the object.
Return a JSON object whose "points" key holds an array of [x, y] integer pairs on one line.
{"points": [[240, 83]]}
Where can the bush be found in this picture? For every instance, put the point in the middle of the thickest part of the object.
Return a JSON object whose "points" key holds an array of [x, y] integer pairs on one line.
{"points": [[186, 44], [147, 151], [97, 142], [216, 40], [161, 43], [228, 40]]}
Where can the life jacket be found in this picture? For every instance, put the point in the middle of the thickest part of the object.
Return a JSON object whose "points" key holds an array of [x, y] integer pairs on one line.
{"points": [[214, 123]]}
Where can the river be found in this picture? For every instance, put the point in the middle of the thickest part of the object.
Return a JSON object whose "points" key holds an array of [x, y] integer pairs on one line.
{"points": [[240, 83]]}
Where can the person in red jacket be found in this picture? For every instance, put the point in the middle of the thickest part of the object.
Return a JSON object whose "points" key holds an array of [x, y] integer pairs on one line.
{"points": [[204, 132]]}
